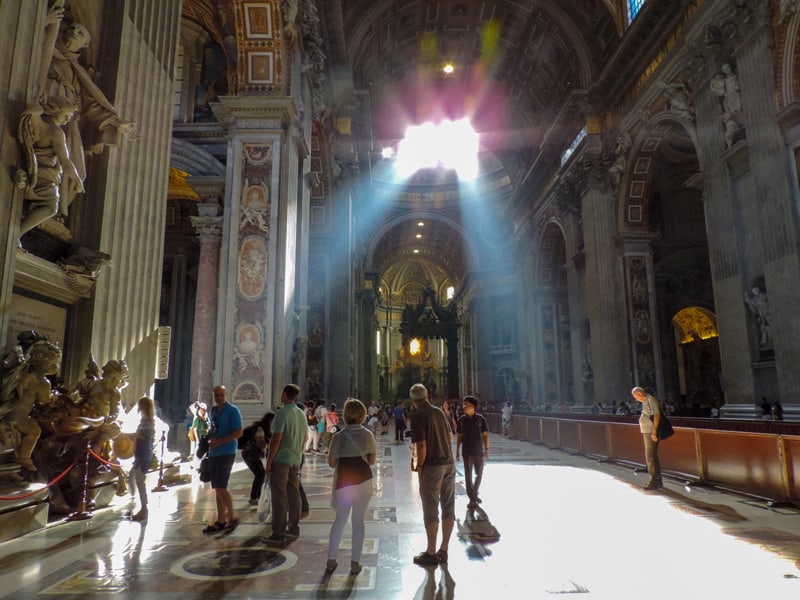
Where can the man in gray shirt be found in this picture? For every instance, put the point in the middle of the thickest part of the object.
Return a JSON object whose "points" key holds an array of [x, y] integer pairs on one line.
{"points": [[433, 437]]}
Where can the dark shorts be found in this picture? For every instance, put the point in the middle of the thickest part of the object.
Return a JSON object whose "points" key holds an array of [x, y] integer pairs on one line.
{"points": [[220, 469]]}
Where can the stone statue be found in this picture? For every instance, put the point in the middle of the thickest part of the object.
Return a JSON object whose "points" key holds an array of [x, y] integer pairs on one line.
{"points": [[25, 384], [758, 303], [678, 100], [289, 8], [620, 164], [98, 124], [50, 168], [726, 86]]}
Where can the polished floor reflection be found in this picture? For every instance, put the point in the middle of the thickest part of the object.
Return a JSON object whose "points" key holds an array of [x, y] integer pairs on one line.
{"points": [[550, 524]]}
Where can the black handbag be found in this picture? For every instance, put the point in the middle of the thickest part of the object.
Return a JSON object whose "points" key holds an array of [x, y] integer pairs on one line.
{"points": [[665, 429], [203, 446], [204, 472]]}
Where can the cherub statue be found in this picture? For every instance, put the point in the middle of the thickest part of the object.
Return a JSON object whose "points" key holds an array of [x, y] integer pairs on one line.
{"points": [[99, 396], [50, 168], [27, 385]]}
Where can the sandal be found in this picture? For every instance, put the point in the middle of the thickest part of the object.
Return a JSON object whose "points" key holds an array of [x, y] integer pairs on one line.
{"points": [[214, 528]]}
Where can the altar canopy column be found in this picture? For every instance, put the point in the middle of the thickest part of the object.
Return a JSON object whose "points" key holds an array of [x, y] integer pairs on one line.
{"points": [[209, 230]]}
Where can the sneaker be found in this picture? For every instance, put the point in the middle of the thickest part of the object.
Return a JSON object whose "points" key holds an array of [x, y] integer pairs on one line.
{"points": [[231, 525], [331, 565], [652, 486], [272, 540], [355, 568], [426, 560], [304, 514], [442, 556], [478, 499], [472, 504], [253, 502], [293, 533]]}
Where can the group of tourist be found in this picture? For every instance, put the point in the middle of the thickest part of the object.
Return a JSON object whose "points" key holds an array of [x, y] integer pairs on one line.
{"points": [[274, 447]]}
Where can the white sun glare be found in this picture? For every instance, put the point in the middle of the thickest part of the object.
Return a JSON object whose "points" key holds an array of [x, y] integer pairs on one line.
{"points": [[450, 144]]}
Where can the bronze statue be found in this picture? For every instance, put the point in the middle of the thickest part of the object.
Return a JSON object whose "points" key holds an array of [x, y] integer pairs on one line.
{"points": [[25, 386]]}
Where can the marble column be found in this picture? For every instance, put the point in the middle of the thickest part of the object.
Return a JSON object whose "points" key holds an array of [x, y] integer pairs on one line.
{"points": [[209, 230], [610, 356], [637, 258], [727, 238], [773, 204]]}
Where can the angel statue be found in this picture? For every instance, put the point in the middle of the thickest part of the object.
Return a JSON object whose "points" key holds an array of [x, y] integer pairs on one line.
{"points": [[758, 303], [50, 168], [100, 124], [25, 385]]}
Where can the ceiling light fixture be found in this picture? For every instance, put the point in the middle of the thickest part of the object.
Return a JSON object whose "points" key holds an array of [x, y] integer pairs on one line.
{"points": [[448, 68]]}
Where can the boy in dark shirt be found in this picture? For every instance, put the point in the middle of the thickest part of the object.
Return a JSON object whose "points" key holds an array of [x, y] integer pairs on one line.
{"points": [[473, 435]]}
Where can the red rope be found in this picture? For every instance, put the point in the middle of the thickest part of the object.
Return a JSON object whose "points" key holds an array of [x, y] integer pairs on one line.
{"points": [[49, 484], [103, 460]]}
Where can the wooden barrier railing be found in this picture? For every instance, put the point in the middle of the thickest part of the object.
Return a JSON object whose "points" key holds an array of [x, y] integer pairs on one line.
{"points": [[766, 465]]}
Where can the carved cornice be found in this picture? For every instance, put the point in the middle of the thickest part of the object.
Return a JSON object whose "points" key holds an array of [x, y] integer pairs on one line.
{"points": [[255, 112]]}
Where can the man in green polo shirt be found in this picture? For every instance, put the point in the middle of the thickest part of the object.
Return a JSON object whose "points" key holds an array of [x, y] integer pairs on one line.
{"points": [[289, 431]]}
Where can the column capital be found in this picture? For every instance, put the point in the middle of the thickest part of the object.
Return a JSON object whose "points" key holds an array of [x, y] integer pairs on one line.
{"points": [[208, 228], [636, 242]]}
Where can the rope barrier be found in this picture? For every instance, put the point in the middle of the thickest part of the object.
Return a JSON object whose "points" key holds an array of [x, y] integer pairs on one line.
{"points": [[49, 484], [103, 460]]}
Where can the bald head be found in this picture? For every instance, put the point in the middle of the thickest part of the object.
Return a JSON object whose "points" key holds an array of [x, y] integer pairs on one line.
{"points": [[220, 395]]}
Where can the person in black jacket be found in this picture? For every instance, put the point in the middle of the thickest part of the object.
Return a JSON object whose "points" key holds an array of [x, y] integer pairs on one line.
{"points": [[253, 444]]}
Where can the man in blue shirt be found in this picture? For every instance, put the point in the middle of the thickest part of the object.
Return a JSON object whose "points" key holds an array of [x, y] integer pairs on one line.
{"points": [[289, 432], [226, 428]]}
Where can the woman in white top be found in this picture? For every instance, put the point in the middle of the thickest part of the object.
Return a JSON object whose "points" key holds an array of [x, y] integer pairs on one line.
{"points": [[352, 451]]}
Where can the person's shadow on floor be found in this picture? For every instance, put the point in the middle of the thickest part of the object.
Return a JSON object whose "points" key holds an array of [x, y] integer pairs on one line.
{"points": [[477, 532]]}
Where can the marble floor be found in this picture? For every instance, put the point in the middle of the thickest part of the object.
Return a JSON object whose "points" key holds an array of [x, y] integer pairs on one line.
{"points": [[550, 524]]}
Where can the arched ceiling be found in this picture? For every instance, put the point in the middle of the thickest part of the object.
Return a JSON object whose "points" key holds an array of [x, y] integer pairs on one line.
{"points": [[516, 64]]}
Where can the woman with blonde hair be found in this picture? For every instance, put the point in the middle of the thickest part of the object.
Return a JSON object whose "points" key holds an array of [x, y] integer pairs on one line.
{"points": [[352, 451], [143, 454]]}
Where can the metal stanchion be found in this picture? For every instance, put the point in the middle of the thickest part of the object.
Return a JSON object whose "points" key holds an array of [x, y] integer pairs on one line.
{"points": [[161, 487], [82, 514]]}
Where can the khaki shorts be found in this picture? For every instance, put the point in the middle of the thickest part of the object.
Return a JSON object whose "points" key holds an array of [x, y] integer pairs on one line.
{"points": [[437, 486]]}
